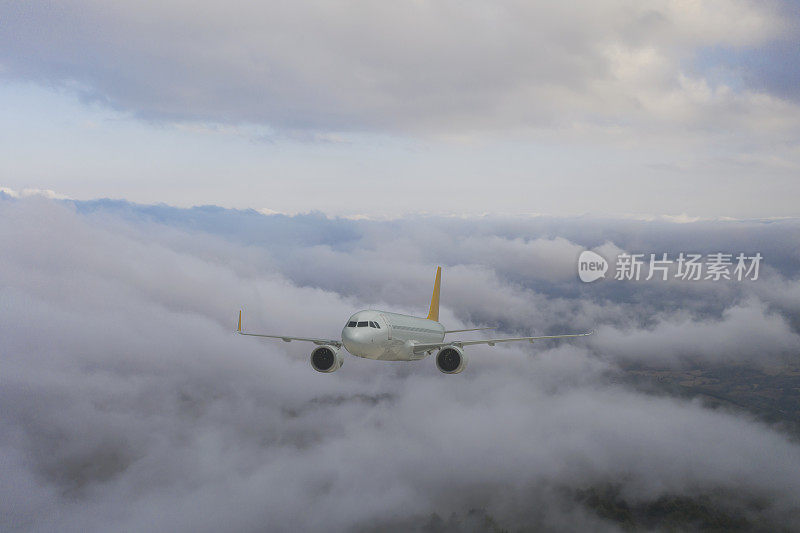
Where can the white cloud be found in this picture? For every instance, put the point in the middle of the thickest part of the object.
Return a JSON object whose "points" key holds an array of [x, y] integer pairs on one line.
{"points": [[447, 67], [130, 405], [24, 193]]}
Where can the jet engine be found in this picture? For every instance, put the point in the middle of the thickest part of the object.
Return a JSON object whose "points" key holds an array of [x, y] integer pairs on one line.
{"points": [[326, 358], [451, 360]]}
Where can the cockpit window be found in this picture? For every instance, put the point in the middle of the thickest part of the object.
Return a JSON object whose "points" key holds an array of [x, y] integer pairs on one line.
{"points": [[374, 325], [351, 324], [362, 324]]}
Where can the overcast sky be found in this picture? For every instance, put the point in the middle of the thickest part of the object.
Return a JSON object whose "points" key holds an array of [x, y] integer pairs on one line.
{"points": [[363, 108]]}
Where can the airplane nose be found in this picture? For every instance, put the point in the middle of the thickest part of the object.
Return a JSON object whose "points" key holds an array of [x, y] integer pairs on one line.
{"points": [[356, 340], [350, 339]]}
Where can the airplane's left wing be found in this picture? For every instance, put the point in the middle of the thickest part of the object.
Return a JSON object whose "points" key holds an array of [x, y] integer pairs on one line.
{"points": [[286, 338], [419, 348]]}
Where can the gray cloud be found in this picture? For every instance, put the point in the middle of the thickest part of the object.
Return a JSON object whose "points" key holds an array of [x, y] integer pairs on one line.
{"points": [[449, 67], [128, 404]]}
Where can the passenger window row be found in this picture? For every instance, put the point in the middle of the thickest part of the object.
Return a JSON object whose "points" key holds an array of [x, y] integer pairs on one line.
{"points": [[407, 328]]}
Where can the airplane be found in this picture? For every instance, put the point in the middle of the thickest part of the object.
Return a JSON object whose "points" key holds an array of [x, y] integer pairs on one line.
{"points": [[388, 336]]}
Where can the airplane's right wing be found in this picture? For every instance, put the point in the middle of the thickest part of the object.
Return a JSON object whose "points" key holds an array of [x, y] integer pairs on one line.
{"points": [[463, 330], [286, 338], [419, 348]]}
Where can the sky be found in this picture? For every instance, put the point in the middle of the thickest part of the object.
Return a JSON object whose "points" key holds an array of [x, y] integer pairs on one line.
{"points": [[166, 164], [358, 109]]}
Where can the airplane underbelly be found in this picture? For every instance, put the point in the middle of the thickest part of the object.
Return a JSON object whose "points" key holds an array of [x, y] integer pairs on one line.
{"points": [[387, 350], [401, 349]]}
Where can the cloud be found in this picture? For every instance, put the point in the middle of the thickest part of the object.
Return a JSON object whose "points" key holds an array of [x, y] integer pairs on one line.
{"points": [[47, 193], [745, 333], [448, 68], [129, 404]]}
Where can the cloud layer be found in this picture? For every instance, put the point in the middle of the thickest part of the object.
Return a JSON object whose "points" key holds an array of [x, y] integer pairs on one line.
{"points": [[608, 107], [444, 67], [128, 404]]}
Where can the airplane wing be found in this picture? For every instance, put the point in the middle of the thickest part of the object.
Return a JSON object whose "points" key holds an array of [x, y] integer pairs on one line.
{"points": [[419, 348], [462, 330], [286, 338]]}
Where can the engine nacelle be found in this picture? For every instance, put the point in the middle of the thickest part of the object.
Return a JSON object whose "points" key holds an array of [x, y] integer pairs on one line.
{"points": [[326, 358], [451, 360]]}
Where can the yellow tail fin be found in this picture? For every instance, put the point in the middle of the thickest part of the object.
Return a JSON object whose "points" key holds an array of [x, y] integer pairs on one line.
{"points": [[433, 314]]}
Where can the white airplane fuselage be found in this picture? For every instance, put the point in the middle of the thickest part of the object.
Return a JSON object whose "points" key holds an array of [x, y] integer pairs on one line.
{"points": [[392, 339]]}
